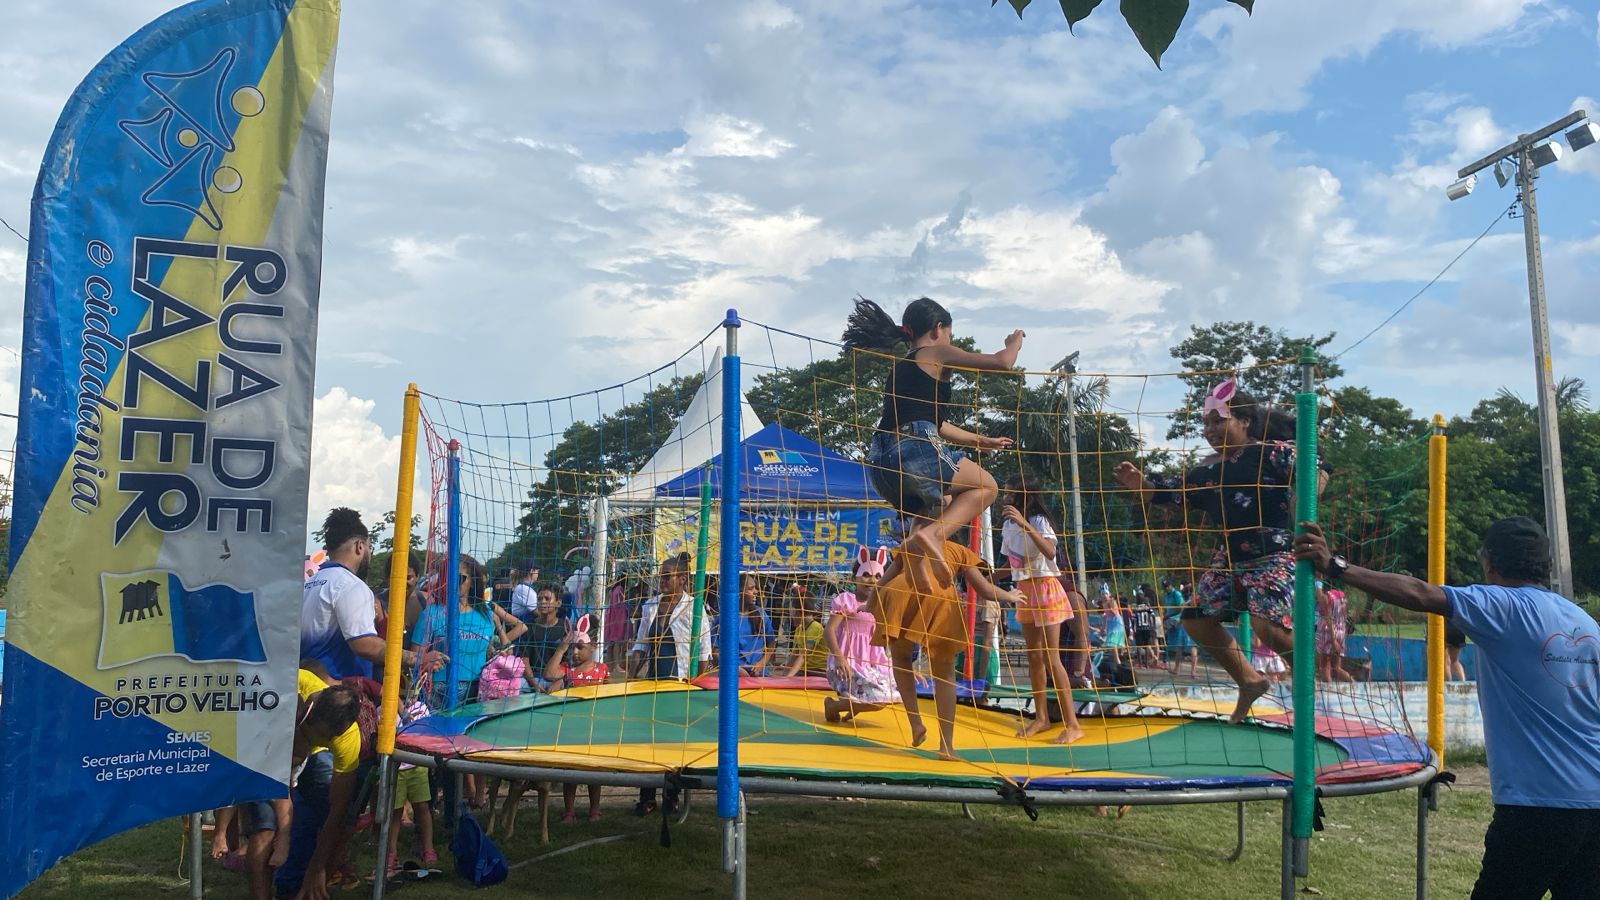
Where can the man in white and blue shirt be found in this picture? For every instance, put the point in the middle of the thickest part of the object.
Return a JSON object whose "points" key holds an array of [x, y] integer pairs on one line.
{"points": [[1539, 688]]}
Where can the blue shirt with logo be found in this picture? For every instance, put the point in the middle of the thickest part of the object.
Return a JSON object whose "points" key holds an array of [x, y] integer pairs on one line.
{"points": [[1539, 689]]}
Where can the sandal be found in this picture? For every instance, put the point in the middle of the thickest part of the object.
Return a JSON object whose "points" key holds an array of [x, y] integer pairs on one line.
{"points": [[644, 808]]}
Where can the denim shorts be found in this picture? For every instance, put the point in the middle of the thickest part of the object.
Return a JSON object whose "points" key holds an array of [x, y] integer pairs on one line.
{"points": [[256, 816], [910, 469]]}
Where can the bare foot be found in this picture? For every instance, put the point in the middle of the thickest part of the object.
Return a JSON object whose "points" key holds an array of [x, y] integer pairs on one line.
{"points": [[948, 755], [1249, 693], [1069, 735], [830, 710], [923, 543], [280, 849], [919, 732], [219, 846], [1032, 727], [1123, 810]]}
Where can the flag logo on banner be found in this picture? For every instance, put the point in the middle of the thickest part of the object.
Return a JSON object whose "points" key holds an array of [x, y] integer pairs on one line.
{"points": [[149, 614]]}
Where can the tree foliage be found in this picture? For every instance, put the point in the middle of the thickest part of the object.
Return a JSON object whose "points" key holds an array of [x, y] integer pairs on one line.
{"points": [[591, 460], [1261, 358], [1154, 22]]}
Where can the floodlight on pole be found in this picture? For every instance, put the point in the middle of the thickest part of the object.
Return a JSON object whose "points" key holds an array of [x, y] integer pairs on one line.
{"points": [[1544, 154], [1502, 173], [1527, 154], [1461, 188], [1584, 135]]}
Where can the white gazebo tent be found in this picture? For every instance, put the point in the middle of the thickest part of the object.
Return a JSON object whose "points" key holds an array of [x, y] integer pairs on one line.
{"points": [[694, 441]]}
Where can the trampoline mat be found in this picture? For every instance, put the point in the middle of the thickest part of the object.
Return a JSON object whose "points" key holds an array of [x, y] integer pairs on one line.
{"points": [[646, 726]]}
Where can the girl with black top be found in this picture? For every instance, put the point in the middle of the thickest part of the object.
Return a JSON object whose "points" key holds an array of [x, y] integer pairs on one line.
{"points": [[911, 462], [1244, 490]]}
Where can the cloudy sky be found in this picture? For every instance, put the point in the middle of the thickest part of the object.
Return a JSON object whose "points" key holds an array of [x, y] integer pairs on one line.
{"points": [[529, 199]]}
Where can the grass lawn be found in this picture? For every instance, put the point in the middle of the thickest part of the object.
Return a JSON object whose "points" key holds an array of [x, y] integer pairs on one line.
{"points": [[806, 848]]}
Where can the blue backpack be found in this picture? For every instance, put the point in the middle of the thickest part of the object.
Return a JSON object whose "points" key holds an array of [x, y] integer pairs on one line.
{"points": [[477, 858]]}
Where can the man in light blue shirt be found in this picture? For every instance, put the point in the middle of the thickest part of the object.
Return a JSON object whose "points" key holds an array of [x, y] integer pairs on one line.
{"points": [[1539, 688]]}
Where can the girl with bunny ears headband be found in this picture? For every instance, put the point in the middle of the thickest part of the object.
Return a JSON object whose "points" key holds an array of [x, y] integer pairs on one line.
{"points": [[859, 671], [573, 664]]}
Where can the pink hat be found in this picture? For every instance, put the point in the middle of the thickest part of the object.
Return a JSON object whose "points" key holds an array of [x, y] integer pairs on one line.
{"points": [[580, 633], [869, 562], [1217, 400]]}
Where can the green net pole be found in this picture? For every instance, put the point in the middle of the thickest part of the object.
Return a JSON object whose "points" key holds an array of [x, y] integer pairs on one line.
{"points": [[702, 543], [1305, 617]]}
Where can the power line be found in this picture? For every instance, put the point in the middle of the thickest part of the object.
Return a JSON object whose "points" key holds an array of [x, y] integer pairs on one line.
{"points": [[13, 230], [1432, 281]]}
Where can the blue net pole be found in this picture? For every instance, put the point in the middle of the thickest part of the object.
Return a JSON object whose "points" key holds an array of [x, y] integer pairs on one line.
{"points": [[728, 589], [452, 580]]}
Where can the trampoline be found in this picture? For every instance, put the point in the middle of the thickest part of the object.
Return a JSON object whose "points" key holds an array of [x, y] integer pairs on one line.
{"points": [[1138, 742], [514, 483]]}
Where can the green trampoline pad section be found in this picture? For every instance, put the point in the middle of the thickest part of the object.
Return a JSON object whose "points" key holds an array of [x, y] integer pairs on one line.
{"points": [[1143, 748]]}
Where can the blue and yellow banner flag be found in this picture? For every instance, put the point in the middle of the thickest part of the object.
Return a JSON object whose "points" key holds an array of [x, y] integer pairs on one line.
{"points": [[169, 349]]}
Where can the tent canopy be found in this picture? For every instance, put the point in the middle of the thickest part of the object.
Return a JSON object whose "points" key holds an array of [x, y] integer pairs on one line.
{"points": [[780, 465], [696, 437]]}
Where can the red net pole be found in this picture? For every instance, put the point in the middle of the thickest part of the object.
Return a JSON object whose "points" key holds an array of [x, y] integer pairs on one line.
{"points": [[973, 532]]}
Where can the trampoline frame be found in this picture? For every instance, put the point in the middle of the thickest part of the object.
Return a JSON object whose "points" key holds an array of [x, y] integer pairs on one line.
{"points": [[1425, 780]]}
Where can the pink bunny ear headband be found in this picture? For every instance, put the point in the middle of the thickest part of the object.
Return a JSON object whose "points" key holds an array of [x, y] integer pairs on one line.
{"points": [[581, 635], [870, 562], [1217, 400]]}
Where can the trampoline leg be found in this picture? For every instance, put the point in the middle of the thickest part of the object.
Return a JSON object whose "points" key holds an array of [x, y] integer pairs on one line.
{"points": [[196, 873], [967, 811], [733, 849], [1238, 847], [383, 808], [1286, 861], [683, 805], [1425, 802]]}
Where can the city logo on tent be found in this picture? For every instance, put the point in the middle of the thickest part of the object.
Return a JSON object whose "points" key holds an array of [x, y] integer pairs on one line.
{"points": [[784, 464]]}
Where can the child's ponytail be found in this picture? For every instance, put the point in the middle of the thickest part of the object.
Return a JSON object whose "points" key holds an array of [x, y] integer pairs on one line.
{"points": [[870, 328]]}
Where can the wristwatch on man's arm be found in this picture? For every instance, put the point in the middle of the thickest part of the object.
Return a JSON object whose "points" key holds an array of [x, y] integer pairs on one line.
{"points": [[1337, 566]]}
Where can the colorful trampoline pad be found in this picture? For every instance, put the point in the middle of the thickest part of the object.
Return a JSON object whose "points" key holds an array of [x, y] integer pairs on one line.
{"points": [[666, 726]]}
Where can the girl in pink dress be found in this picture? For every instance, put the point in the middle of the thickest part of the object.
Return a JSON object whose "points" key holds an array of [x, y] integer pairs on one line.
{"points": [[858, 670]]}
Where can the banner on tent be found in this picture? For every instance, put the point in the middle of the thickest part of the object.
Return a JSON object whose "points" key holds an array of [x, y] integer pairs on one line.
{"points": [[164, 435], [781, 539]]}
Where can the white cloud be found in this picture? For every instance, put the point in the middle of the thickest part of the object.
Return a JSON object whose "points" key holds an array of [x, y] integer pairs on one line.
{"points": [[354, 462], [1269, 60], [725, 135], [415, 255]]}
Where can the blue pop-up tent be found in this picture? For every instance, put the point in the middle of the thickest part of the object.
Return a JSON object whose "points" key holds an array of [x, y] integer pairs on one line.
{"points": [[779, 465], [803, 507]]}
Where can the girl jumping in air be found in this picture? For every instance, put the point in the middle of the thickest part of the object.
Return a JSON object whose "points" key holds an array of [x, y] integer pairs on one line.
{"points": [[1029, 543], [911, 461], [1244, 488]]}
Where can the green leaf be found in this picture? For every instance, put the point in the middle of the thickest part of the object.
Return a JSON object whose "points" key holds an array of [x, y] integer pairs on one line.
{"points": [[1018, 5], [1249, 5], [1155, 23], [1077, 10]]}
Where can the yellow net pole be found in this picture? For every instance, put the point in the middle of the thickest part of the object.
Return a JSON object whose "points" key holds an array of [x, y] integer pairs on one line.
{"points": [[1437, 453], [389, 714]]}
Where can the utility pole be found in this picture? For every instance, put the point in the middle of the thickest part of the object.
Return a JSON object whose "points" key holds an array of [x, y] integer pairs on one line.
{"points": [[1555, 490], [1527, 153], [1067, 368]]}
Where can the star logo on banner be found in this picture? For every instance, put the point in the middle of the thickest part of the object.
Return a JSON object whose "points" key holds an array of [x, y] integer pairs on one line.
{"points": [[189, 134]]}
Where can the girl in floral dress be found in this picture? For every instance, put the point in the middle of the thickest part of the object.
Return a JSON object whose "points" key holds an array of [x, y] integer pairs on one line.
{"points": [[859, 671]]}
